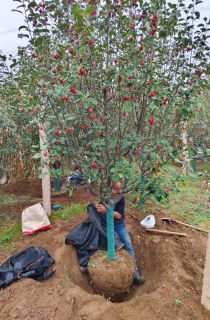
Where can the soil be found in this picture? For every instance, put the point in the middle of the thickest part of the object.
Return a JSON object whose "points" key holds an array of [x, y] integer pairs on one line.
{"points": [[33, 189], [112, 278], [172, 266]]}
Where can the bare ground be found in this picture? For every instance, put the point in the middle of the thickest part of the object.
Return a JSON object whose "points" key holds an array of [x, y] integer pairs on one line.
{"points": [[173, 268]]}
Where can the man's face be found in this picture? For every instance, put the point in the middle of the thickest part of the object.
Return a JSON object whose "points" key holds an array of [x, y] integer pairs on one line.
{"points": [[116, 190]]}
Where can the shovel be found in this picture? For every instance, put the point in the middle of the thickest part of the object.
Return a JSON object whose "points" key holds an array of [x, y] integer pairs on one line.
{"points": [[169, 220], [163, 232]]}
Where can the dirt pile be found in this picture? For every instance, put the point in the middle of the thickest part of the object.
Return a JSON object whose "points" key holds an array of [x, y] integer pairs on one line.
{"points": [[173, 269], [24, 187], [111, 278], [172, 266]]}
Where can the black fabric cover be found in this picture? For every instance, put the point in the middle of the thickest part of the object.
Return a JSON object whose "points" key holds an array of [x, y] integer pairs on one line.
{"points": [[89, 236], [33, 262]]}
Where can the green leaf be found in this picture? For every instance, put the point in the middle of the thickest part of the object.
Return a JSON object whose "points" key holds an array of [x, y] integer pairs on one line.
{"points": [[41, 30], [77, 12], [14, 64], [15, 10], [23, 27], [21, 35], [178, 302], [2, 57], [51, 7], [21, 6], [93, 101], [38, 41], [32, 4], [197, 14], [208, 69], [172, 5], [163, 33], [37, 155]]}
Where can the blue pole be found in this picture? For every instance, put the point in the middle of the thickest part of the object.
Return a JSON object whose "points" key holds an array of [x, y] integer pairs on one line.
{"points": [[56, 184], [110, 233]]}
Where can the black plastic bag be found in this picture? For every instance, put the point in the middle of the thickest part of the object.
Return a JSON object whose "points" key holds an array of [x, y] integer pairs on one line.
{"points": [[33, 262]]}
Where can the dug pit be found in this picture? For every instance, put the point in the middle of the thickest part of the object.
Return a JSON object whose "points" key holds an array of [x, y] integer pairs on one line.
{"points": [[113, 279]]}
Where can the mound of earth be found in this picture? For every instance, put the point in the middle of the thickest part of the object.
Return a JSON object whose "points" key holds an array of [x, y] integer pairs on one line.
{"points": [[172, 266], [111, 278]]}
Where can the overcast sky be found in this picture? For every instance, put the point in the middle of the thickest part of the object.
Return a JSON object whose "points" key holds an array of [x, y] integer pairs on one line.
{"points": [[10, 21]]}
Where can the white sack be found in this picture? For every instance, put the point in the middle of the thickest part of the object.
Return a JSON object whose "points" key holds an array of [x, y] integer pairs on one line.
{"points": [[35, 219]]}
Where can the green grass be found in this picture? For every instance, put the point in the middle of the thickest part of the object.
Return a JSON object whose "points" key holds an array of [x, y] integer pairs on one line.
{"points": [[7, 199], [69, 211], [190, 203], [11, 230], [11, 233], [12, 199]]}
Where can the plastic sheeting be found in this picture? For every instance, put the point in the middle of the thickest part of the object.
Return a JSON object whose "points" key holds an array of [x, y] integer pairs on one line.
{"points": [[33, 262], [89, 236]]}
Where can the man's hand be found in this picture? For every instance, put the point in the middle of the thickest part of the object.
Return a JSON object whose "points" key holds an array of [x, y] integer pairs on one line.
{"points": [[100, 208]]}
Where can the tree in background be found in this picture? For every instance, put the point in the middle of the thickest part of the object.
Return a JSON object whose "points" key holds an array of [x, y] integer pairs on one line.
{"points": [[199, 129], [16, 133]]}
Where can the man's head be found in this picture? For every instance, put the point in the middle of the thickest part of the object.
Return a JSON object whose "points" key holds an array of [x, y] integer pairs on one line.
{"points": [[116, 190]]}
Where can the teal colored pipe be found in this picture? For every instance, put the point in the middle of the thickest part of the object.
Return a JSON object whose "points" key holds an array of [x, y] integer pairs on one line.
{"points": [[110, 233], [57, 184]]}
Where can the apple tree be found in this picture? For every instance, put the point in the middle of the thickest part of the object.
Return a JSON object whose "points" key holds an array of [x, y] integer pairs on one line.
{"points": [[112, 83]]}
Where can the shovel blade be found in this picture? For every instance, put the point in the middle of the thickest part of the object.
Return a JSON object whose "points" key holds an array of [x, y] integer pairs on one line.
{"points": [[167, 220]]}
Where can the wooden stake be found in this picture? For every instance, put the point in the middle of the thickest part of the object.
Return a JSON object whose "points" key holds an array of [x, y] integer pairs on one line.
{"points": [[205, 297], [190, 226], [169, 220], [133, 216], [166, 233]]}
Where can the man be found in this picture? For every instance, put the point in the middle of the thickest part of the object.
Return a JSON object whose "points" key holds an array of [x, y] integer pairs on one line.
{"points": [[77, 174], [120, 227]]}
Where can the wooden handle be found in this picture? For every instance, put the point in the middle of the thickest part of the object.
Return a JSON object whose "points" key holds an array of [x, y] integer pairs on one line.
{"points": [[133, 216], [168, 233], [189, 225]]}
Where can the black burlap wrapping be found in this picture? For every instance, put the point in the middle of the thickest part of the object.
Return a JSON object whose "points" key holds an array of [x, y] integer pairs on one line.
{"points": [[89, 236]]}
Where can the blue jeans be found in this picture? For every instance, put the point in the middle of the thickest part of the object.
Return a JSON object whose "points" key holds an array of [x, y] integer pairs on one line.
{"points": [[124, 236]]}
